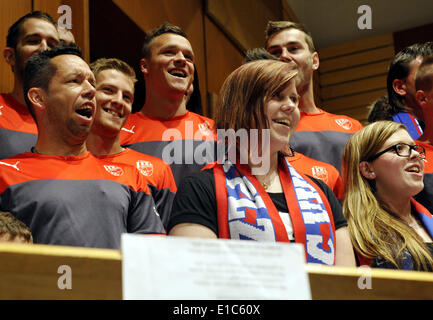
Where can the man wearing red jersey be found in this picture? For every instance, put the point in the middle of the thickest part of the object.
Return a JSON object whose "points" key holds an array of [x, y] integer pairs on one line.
{"points": [[114, 97], [164, 128], [319, 135], [31, 33], [64, 194]]}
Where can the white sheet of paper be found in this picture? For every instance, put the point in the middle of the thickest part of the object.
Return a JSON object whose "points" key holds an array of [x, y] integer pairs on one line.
{"points": [[175, 268]]}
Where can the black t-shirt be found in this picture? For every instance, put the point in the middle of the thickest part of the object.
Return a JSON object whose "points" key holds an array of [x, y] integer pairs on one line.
{"points": [[195, 202]]}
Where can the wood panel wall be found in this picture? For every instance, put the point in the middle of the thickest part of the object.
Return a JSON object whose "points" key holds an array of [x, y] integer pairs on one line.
{"points": [[244, 21], [10, 11], [8, 15], [80, 19], [352, 75], [222, 57], [288, 13], [80, 24]]}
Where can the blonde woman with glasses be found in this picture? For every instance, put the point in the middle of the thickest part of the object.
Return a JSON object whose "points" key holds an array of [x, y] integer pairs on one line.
{"points": [[383, 169]]}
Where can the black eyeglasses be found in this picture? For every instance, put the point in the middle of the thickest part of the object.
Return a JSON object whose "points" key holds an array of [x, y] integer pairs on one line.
{"points": [[402, 150]]}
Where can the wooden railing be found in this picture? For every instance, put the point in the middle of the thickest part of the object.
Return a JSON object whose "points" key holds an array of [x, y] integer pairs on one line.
{"points": [[32, 272]]}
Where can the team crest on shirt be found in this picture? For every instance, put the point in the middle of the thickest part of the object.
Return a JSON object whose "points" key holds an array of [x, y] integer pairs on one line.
{"points": [[1, 107], [145, 167], [320, 173], [344, 123], [114, 170], [204, 128]]}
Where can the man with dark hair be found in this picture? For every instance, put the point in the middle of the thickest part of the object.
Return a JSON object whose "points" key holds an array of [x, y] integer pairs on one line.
{"points": [[402, 106], [64, 194], [114, 97], [164, 128], [31, 33], [401, 77], [155, 33], [320, 135]]}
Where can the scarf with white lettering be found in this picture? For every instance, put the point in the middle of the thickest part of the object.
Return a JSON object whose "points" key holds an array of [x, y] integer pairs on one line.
{"points": [[246, 211]]}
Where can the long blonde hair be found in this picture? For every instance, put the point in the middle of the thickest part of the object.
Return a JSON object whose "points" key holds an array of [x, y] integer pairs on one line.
{"points": [[375, 230]]}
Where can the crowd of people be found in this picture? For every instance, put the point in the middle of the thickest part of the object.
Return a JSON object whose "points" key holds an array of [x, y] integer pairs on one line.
{"points": [[78, 168]]}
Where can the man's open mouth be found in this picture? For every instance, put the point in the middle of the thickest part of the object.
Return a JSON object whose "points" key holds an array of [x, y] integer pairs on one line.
{"points": [[86, 110], [178, 73]]}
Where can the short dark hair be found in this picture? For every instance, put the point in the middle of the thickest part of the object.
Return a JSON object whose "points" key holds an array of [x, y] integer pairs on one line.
{"points": [[277, 26], [14, 31], [400, 68], [9, 225], [39, 70], [258, 54], [424, 75], [152, 34], [381, 110]]}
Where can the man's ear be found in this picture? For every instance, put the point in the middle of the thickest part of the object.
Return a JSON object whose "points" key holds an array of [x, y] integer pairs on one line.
{"points": [[144, 66], [37, 98], [399, 86], [421, 97], [9, 55], [316, 61], [367, 170]]}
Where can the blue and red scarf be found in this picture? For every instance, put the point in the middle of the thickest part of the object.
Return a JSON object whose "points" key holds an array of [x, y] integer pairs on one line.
{"points": [[412, 124], [246, 211]]}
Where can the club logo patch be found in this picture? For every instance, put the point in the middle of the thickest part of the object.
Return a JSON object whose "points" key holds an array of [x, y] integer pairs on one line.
{"points": [[114, 170], [204, 128], [344, 123], [145, 167], [320, 173]]}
